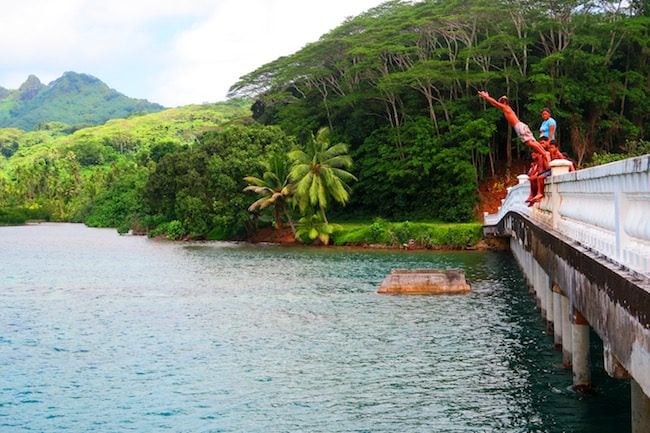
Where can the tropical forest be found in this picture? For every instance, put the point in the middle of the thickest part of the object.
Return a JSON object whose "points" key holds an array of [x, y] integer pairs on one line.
{"points": [[373, 133]]}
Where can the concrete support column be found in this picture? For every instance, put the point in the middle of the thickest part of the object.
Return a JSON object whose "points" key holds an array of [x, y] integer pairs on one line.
{"points": [[567, 340], [539, 283], [580, 358], [548, 293], [640, 409], [540, 295], [557, 317]]}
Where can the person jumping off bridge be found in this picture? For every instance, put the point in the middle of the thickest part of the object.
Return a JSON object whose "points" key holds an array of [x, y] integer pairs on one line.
{"points": [[523, 132]]}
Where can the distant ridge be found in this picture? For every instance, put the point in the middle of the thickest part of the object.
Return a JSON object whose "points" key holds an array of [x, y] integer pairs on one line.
{"points": [[74, 99]]}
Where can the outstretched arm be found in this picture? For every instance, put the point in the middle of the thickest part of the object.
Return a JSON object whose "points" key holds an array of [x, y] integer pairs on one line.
{"points": [[485, 95], [510, 115]]}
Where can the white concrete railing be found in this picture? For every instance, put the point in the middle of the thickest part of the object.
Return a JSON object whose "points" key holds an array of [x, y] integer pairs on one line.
{"points": [[515, 201], [604, 208]]}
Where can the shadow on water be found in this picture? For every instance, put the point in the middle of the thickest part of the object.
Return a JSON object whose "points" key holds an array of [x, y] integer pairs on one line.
{"points": [[555, 406]]}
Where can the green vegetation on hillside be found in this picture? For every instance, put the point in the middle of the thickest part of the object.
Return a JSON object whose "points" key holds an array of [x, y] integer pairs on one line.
{"points": [[99, 175], [378, 118]]}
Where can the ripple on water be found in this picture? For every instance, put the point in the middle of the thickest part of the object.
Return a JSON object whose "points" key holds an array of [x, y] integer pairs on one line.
{"points": [[105, 333]]}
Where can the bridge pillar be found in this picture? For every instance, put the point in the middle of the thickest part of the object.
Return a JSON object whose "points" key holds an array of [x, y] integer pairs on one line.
{"points": [[548, 294], [557, 316], [567, 341], [580, 358], [640, 409], [539, 292], [541, 284]]}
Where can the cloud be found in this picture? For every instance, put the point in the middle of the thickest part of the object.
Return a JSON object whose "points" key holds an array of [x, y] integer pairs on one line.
{"points": [[237, 37], [169, 51]]}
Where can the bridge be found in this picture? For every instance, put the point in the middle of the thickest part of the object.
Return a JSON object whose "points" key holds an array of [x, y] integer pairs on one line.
{"points": [[585, 252]]}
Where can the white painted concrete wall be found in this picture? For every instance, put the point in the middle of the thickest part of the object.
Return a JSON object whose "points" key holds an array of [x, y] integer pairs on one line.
{"points": [[606, 209]]}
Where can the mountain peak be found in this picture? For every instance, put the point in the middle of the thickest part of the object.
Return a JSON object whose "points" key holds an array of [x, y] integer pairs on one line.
{"points": [[30, 88], [32, 81], [73, 98], [74, 82]]}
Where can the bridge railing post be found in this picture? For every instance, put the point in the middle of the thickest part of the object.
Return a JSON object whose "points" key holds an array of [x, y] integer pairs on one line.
{"points": [[558, 167], [620, 215]]}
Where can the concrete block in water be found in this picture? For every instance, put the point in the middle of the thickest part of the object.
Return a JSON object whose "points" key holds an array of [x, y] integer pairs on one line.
{"points": [[424, 282]]}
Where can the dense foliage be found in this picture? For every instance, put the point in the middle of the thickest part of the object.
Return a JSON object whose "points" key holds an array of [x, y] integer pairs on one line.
{"points": [[75, 99], [428, 235], [380, 115], [201, 187], [399, 83], [181, 164]]}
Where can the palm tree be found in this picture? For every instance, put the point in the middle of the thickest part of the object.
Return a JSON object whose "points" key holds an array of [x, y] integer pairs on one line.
{"points": [[274, 187], [319, 173]]}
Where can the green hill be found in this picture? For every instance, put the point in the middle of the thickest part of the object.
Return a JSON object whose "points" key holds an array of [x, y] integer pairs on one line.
{"points": [[74, 99], [98, 174]]}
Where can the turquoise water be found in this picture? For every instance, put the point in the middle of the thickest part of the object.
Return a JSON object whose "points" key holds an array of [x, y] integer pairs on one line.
{"points": [[108, 333]]}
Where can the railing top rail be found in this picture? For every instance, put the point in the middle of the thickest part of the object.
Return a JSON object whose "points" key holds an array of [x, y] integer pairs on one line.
{"points": [[639, 164]]}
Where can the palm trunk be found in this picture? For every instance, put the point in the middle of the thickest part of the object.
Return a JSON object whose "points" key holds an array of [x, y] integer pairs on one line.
{"points": [[278, 218], [293, 227], [322, 212]]}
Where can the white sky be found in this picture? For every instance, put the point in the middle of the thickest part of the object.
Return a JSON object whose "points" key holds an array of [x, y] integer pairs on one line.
{"points": [[173, 52]]}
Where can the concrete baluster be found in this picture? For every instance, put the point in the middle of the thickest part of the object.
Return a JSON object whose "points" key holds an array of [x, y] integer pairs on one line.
{"points": [[621, 210], [558, 166]]}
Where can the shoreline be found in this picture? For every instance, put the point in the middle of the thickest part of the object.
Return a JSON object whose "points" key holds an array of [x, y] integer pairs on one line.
{"points": [[284, 237], [277, 238]]}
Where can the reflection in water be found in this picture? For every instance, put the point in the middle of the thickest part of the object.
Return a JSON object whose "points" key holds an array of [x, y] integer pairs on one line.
{"points": [[106, 333]]}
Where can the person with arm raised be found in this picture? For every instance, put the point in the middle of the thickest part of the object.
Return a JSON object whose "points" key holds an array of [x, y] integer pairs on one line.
{"points": [[526, 136], [523, 131]]}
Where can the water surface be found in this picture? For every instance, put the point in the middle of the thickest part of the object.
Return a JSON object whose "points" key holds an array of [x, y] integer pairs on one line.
{"points": [[108, 333]]}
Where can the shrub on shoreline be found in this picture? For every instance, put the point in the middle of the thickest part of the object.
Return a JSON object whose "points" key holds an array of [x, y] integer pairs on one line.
{"points": [[423, 235], [20, 215]]}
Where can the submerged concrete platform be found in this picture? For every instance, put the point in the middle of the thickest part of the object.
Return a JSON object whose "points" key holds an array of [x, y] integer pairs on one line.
{"points": [[424, 282]]}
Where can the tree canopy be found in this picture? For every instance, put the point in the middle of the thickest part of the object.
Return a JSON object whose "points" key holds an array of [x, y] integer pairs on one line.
{"points": [[399, 83]]}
